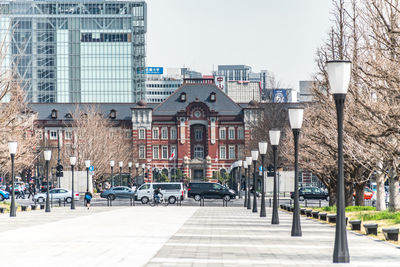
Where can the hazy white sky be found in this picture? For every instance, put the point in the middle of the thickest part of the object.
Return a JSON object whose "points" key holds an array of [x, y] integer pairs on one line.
{"points": [[278, 35]]}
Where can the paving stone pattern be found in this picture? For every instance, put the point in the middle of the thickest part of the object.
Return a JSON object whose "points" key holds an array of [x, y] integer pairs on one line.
{"points": [[238, 237]]}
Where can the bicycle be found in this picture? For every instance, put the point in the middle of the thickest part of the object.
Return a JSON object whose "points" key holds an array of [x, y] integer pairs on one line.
{"points": [[161, 201]]}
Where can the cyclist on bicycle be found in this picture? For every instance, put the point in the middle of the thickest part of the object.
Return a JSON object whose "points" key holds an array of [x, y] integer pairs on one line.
{"points": [[157, 194]]}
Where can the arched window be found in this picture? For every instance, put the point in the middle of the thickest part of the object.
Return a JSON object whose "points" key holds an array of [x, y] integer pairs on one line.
{"points": [[199, 152]]}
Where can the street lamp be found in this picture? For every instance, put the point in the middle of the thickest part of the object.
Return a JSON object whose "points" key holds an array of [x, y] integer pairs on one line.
{"points": [[296, 120], [254, 156], [121, 163], [12, 148], [148, 170], [262, 147], [112, 172], [130, 171], [339, 73], [248, 161], [47, 157], [87, 165], [239, 165], [245, 166], [274, 136], [137, 171], [72, 160]]}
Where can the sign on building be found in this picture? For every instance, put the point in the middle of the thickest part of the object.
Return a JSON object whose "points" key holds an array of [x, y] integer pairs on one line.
{"points": [[279, 96], [154, 70]]}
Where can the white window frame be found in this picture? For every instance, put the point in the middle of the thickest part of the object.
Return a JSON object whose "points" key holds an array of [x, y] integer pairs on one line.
{"points": [[198, 130], [174, 133], [164, 133], [144, 152], [231, 155], [240, 151], [222, 137], [231, 130], [68, 135], [173, 148], [51, 137], [164, 149], [222, 155], [240, 133], [194, 151], [142, 133], [156, 152], [156, 133]]}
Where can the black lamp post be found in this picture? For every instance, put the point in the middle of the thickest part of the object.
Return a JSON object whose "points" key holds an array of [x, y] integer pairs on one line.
{"points": [[47, 158], [87, 165], [239, 164], [130, 172], [339, 73], [248, 161], [112, 172], [254, 156], [245, 166], [143, 166], [12, 148], [274, 136], [72, 160], [296, 120], [137, 171], [262, 147], [121, 163]]}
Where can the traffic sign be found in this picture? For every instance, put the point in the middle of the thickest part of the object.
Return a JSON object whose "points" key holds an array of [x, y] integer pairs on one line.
{"points": [[91, 168]]}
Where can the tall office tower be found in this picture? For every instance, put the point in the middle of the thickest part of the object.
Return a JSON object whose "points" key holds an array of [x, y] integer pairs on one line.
{"points": [[76, 50], [234, 72]]}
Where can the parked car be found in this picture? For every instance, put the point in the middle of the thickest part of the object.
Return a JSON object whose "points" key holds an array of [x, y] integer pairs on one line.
{"points": [[4, 195], [311, 193], [118, 192], [197, 190], [368, 193], [171, 192], [56, 194]]}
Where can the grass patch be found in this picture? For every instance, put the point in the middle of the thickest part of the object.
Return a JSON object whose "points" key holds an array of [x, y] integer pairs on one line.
{"points": [[381, 215], [359, 208]]}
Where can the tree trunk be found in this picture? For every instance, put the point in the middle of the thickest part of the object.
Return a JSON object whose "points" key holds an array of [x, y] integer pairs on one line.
{"points": [[380, 192], [394, 201], [348, 193], [359, 187], [332, 193]]}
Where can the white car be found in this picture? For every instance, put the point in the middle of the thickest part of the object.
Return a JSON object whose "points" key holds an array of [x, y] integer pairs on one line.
{"points": [[56, 194], [171, 192]]}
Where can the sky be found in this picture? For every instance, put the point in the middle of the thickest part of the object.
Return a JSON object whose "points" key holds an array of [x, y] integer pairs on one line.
{"points": [[280, 36]]}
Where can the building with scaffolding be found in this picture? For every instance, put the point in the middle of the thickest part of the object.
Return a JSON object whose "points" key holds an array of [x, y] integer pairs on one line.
{"points": [[76, 50]]}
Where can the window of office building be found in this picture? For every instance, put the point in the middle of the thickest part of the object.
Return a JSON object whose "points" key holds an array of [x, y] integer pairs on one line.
{"points": [[68, 135], [199, 152], [164, 133], [222, 152], [232, 152], [173, 133], [198, 134], [155, 133], [142, 133], [231, 133], [142, 152], [240, 133], [155, 152], [164, 152], [222, 133], [53, 135]]}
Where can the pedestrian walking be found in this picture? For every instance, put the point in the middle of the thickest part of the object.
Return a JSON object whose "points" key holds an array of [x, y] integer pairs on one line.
{"points": [[88, 198]]}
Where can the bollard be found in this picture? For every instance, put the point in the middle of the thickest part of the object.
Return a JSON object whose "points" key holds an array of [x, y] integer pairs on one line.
{"points": [[305, 202], [59, 202], [320, 203], [224, 203], [291, 203], [108, 202], [202, 201], [65, 201], [270, 202]]}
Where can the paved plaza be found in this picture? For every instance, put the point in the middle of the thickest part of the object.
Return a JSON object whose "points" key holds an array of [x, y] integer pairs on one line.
{"points": [[175, 236]]}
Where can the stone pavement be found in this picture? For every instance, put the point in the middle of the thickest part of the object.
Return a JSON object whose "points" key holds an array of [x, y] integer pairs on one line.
{"points": [[175, 236], [238, 237]]}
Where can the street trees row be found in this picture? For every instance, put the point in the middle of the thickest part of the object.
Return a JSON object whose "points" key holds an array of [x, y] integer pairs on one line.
{"points": [[368, 34]]}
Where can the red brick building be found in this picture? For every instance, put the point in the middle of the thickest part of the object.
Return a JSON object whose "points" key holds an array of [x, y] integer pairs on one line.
{"points": [[198, 130]]}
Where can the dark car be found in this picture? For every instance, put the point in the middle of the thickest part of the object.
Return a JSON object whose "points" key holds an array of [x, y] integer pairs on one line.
{"points": [[209, 190], [119, 191], [311, 193]]}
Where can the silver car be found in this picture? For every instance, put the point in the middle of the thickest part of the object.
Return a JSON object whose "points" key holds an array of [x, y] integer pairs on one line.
{"points": [[56, 194]]}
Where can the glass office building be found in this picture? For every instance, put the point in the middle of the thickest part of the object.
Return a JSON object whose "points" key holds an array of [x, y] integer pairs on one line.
{"points": [[76, 50]]}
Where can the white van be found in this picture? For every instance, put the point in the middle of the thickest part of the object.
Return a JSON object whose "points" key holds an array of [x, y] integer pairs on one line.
{"points": [[170, 191]]}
